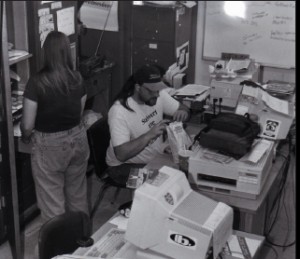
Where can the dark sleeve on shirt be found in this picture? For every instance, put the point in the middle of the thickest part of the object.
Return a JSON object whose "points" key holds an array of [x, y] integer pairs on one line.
{"points": [[31, 91]]}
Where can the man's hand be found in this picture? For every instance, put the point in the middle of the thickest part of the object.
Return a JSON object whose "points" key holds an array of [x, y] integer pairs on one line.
{"points": [[181, 115], [167, 150], [132, 148], [158, 129]]}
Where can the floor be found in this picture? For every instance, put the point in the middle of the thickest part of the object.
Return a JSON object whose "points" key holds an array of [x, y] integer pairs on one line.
{"points": [[282, 233]]}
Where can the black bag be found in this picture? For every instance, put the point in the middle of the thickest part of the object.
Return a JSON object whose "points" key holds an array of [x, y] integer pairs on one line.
{"points": [[230, 134]]}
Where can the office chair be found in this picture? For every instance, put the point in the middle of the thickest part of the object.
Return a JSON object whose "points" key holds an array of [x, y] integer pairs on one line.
{"points": [[63, 234], [99, 138]]}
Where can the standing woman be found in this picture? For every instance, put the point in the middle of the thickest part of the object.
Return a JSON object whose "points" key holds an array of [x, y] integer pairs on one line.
{"points": [[53, 103]]}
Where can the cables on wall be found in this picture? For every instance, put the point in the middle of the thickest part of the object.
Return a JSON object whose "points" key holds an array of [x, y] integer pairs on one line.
{"points": [[279, 203]]}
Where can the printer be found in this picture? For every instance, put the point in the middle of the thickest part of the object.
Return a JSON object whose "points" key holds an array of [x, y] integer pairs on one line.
{"points": [[237, 177]]}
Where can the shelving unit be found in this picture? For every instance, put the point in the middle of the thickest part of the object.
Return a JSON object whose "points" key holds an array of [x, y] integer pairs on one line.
{"points": [[13, 203], [18, 35], [11, 62], [8, 191]]}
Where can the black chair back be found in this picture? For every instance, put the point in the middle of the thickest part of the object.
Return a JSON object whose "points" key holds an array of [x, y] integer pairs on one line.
{"points": [[99, 138], [62, 234]]}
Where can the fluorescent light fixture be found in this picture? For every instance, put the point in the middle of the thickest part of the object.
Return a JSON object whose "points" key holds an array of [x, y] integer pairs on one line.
{"points": [[138, 3], [235, 8]]}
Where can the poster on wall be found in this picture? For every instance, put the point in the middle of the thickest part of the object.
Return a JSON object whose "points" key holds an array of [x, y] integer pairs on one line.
{"points": [[46, 25], [100, 15], [182, 55]]}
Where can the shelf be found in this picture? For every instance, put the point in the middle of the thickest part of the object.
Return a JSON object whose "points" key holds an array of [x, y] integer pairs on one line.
{"points": [[21, 147], [14, 111], [16, 60]]}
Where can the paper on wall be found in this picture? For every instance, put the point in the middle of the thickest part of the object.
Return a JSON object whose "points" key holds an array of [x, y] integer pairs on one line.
{"points": [[93, 14], [65, 20]]}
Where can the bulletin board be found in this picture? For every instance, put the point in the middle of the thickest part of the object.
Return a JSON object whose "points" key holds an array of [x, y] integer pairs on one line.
{"points": [[266, 33], [44, 17]]}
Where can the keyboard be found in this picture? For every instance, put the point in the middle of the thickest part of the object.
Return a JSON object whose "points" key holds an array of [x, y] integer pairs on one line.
{"points": [[108, 245]]}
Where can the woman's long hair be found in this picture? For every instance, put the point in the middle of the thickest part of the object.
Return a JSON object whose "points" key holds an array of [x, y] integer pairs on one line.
{"points": [[57, 72]]}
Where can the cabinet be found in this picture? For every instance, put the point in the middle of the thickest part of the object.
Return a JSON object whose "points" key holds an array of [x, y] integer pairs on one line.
{"points": [[158, 33]]}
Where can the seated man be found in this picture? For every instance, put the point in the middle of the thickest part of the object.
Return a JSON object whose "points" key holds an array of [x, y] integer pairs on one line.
{"points": [[136, 122]]}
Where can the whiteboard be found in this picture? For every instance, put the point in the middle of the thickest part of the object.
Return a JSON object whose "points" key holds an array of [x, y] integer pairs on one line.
{"points": [[267, 33]]}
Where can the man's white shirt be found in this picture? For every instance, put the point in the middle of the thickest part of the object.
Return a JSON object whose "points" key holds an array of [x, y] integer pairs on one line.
{"points": [[126, 125]]}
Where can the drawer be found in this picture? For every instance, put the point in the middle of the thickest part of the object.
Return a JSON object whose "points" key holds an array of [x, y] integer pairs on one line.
{"points": [[153, 23], [152, 52]]}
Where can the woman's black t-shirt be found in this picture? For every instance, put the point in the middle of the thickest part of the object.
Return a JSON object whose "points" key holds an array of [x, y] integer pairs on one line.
{"points": [[56, 111]]}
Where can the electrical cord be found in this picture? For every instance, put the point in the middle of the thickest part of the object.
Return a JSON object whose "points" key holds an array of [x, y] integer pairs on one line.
{"points": [[104, 27], [284, 245], [275, 202], [273, 249], [281, 185], [279, 245], [280, 196], [284, 176], [288, 220]]}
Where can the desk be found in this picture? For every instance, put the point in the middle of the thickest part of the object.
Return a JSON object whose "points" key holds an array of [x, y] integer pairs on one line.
{"points": [[250, 215], [129, 251]]}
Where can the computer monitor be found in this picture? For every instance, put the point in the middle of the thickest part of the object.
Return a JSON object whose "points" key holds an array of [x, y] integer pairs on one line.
{"points": [[169, 219]]}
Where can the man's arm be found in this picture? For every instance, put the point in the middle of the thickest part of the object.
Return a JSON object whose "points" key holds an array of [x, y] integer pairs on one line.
{"points": [[173, 107], [132, 148]]}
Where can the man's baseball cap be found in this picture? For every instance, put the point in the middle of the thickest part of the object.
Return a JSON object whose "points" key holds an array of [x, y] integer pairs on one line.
{"points": [[151, 76]]}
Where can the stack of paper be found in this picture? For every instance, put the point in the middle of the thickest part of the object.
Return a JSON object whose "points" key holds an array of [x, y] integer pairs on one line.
{"points": [[14, 54], [138, 176], [17, 130], [276, 104], [17, 100], [238, 65], [235, 249], [192, 90], [257, 152], [280, 87]]}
